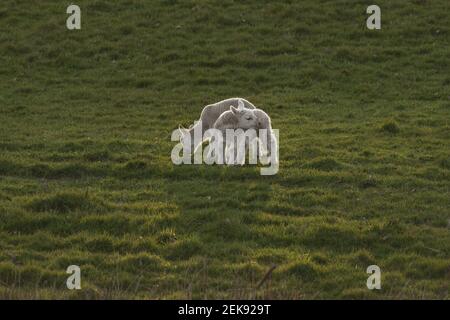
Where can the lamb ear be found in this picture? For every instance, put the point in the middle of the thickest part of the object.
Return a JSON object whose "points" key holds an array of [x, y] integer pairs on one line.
{"points": [[241, 105], [234, 110]]}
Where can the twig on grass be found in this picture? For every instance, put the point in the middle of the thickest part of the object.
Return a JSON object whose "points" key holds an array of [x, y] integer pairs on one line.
{"points": [[266, 276]]}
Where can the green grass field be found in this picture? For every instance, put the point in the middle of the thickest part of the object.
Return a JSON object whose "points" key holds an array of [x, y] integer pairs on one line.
{"points": [[85, 170]]}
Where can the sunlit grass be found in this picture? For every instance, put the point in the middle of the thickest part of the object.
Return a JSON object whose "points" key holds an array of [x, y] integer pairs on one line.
{"points": [[85, 170]]}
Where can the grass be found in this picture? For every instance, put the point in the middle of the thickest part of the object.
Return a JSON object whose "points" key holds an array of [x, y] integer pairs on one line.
{"points": [[86, 176]]}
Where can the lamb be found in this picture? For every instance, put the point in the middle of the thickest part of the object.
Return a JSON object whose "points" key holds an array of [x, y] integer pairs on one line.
{"points": [[264, 122], [209, 116], [236, 118], [243, 118]]}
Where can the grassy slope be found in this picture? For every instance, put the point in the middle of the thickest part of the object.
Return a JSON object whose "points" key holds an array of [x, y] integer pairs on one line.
{"points": [[85, 171]]}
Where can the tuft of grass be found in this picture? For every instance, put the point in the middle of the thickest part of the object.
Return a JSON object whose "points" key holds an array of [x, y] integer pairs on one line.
{"points": [[102, 155], [304, 271], [445, 163], [167, 236], [324, 164], [65, 202], [390, 126]]}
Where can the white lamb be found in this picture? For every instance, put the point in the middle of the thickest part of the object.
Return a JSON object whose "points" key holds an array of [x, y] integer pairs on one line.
{"points": [[209, 116], [243, 118], [236, 118], [264, 122]]}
